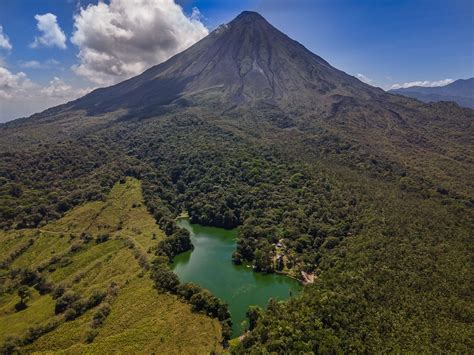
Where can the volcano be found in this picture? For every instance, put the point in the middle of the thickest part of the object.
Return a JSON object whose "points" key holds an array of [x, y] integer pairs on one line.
{"points": [[243, 62], [249, 74]]}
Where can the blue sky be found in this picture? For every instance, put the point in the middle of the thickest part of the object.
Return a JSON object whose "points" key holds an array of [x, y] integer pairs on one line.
{"points": [[385, 42]]}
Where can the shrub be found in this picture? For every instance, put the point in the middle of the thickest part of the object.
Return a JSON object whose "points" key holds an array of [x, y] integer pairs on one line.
{"points": [[90, 335], [9, 346], [20, 306], [70, 314], [86, 237], [102, 238], [43, 287], [65, 262], [25, 276], [95, 299], [34, 333], [58, 291], [129, 243], [76, 247], [65, 301], [100, 315]]}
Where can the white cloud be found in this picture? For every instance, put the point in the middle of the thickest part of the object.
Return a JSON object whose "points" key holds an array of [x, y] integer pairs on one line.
{"points": [[363, 78], [20, 96], [13, 84], [4, 40], [52, 35], [57, 88], [424, 83], [123, 38], [34, 64]]}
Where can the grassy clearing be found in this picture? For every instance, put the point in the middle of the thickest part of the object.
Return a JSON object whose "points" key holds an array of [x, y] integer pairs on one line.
{"points": [[11, 241], [142, 326], [140, 319], [13, 323], [45, 246]]}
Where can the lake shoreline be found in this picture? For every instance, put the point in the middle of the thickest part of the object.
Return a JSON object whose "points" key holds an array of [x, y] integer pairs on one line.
{"points": [[185, 216], [209, 265]]}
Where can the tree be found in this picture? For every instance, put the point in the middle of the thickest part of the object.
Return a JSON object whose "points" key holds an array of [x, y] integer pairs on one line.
{"points": [[164, 278], [264, 259], [253, 314], [15, 190], [24, 294], [187, 290]]}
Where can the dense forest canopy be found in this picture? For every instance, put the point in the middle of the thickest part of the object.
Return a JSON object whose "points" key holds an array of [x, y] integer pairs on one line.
{"points": [[380, 237]]}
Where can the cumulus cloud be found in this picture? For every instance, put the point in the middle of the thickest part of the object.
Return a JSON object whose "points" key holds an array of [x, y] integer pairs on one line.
{"points": [[124, 37], [20, 96], [51, 34], [424, 83], [12, 84], [4, 40], [58, 89], [363, 78]]}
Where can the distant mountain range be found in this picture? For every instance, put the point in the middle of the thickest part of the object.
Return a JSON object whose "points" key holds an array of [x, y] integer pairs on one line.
{"points": [[461, 91]]}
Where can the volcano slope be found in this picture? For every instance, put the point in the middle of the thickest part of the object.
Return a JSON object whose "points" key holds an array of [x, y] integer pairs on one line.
{"points": [[371, 192]]}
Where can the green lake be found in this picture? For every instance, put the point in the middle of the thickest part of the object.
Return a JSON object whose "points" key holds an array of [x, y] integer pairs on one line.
{"points": [[210, 266]]}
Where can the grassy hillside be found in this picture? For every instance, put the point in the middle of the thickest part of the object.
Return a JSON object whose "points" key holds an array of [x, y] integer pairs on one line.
{"points": [[99, 254]]}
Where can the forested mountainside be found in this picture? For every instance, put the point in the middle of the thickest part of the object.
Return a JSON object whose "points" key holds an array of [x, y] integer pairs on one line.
{"points": [[460, 91], [371, 192]]}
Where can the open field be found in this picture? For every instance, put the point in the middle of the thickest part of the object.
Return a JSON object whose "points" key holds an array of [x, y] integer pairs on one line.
{"points": [[98, 248]]}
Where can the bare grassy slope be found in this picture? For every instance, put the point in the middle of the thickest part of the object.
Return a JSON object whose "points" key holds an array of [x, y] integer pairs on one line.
{"points": [[100, 246]]}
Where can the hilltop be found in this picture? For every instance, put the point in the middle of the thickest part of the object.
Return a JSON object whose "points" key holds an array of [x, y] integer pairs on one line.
{"points": [[460, 91]]}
